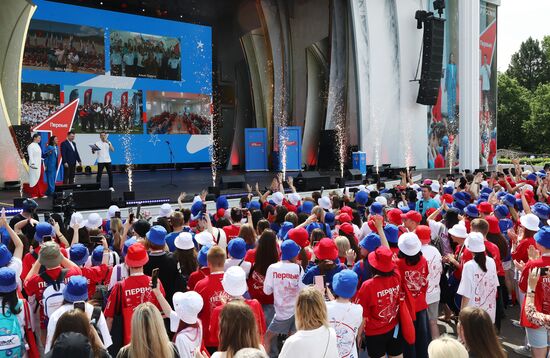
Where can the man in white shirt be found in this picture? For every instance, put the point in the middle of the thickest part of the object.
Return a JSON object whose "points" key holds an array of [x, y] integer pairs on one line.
{"points": [[485, 74], [104, 158]]}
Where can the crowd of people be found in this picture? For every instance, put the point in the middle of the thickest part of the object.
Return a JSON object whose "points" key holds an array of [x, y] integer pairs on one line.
{"points": [[35, 112], [178, 123], [338, 274], [97, 117]]}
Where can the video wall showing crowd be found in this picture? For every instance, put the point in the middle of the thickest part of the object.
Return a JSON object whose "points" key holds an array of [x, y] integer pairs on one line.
{"points": [[132, 75]]}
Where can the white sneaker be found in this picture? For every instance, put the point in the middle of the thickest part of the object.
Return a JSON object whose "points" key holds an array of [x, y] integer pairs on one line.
{"points": [[112, 189], [523, 351]]}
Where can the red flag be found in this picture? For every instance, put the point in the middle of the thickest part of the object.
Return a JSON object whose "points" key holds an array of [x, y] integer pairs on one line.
{"points": [[88, 97], [108, 98], [124, 99]]}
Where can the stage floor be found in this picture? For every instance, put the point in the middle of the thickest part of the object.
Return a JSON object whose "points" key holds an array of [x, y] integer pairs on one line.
{"points": [[152, 184]]}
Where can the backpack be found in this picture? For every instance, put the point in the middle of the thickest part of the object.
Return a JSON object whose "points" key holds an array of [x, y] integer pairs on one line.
{"points": [[12, 342], [101, 293], [52, 297]]}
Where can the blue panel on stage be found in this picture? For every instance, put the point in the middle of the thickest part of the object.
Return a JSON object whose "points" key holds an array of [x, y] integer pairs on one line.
{"points": [[290, 148], [359, 161], [256, 149]]}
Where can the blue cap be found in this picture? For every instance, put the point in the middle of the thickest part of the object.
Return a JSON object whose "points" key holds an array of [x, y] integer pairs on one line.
{"points": [[541, 173], [201, 257], [237, 248], [509, 200], [542, 237], [127, 245], [76, 289], [484, 196], [285, 227], [97, 255], [448, 190], [306, 207], [392, 233], [78, 254], [330, 219], [467, 197], [532, 177], [459, 204], [29, 205], [471, 210], [501, 194], [8, 282], [361, 197], [486, 190], [254, 205], [157, 235], [43, 229], [289, 250], [5, 255], [519, 204], [5, 236], [370, 242], [501, 211], [344, 283], [541, 210], [376, 208], [504, 225], [459, 195], [221, 203]]}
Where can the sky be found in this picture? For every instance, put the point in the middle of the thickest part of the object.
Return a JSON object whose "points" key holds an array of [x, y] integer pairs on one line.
{"points": [[517, 20]]}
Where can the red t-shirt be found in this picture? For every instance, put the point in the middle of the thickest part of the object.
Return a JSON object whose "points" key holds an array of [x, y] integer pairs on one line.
{"points": [[133, 291], [521, 252], [256, 288], [495, 254], [35, 286], [95, 275], [379, 297], [29, 260], [215, 320], [414, 279], [231, 231], [196, 277], [287, 204], [542, 290], [250, 256], [211, 290]]}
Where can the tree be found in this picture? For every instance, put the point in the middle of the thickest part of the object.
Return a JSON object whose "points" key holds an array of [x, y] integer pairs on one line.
{"points": [[537, 128], [513, 109], [529, 66], [546, 47]]}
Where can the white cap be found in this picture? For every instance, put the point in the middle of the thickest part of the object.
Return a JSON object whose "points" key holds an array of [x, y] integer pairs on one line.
{"points": [[277, 198], [530, 222], [484, 184], [450, 184], [187, 306], [362, 187], [76, 218], [112, 210], [324, 202], [475, 242], [401, 205], [234, 281], [93, 222], [409, 244], [459, 230], [196, 198], [415, 186], [184, 241], [370, 188], [435, 186], [528, 187], [381, 200], [165, 210], [204, 238], [294, 198]]}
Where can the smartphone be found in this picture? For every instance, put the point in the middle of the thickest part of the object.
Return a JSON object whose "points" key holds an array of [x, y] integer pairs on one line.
{"points": [[138, 211], [96, 239], [543, 271], [117, 214], [47, 238], [154, 278], [203, 210], [319, 283], [47, 217], [80, 305]]}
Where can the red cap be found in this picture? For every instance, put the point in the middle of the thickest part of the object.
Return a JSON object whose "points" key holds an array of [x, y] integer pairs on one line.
{"points": [[530, 196], [485, 208], [413, 215], [448, 198], [343, 218], [494, 228], [394, 216], [424, 234], [326, 249], [299, 236], [220, 213], [348, 210], [372, 227], [136, 256], [382, 259], [430, 211], [346, 228]]}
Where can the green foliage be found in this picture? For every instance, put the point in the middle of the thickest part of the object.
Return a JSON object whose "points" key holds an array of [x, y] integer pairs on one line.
{"points": [[525, 160], [537, 128], [513, 109], [529, 66]]}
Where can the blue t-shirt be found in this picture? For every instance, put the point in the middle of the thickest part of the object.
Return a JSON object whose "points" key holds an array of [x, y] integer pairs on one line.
{"points": [[423, 205], [313, 271], [363, 271]]}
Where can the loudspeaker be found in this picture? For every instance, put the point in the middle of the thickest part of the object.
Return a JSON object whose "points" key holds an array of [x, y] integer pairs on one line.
{"points": [[77, 187], [353, 174], [129, 195], [232, 181], [92, 199], [308, 181], [432, 60], [12, 185], [328, 153], [18, 202]]}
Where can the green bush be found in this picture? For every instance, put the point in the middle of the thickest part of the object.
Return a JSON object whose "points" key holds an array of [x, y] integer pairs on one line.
{"points": [[526, 160]]}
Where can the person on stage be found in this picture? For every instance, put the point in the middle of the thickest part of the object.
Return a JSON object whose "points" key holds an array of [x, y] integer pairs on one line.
{"points": [[37, 186], [50, 161], [104, 158], [70, 158]]}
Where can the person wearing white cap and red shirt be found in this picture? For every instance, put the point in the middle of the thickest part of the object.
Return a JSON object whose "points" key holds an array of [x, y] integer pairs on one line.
{"points": [[530, 224], [478, 286], [234, 285], [413, 269]]}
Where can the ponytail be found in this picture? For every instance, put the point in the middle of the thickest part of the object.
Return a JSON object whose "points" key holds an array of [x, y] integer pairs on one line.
{"points": [[481, 260]]}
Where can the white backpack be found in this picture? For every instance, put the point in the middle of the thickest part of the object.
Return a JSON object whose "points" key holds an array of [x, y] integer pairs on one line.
{"points": [[52, 298]]}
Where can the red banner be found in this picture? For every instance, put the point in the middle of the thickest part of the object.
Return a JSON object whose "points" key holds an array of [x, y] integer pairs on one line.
{"points": [[108, 98], [88, 97]]}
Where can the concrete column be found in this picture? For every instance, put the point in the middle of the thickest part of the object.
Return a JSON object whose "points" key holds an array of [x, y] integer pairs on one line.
{"points": [[469, 63]]}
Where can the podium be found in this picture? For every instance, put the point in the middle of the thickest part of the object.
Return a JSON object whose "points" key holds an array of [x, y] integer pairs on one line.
{"points": [[290, 148], [359, 162], [255, 149]]}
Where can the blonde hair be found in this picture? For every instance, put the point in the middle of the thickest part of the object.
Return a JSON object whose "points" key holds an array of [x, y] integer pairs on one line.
{"points": [[238, 328], [149, 338], [343, 245], [446, 347], [117, 230], [319, 212], [311, 311]]}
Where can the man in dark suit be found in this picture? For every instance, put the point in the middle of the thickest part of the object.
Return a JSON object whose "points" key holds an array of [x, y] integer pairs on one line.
{"points": [[70, 157]]}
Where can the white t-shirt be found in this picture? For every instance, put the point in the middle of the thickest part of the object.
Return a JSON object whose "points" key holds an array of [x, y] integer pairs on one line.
{"points": [[345, 318], [16, 265], [245, 265], [317, 343], [365, 230], [435, 269], [284, 280], [220, 236], [103, 155], [123, 274], [188, 341], [485, 73], [224, 354], [480, 287], [101, 324]]}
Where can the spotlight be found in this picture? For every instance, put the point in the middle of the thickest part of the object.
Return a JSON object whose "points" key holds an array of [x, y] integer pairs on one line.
{"points": [[420, 17], [439, 5]]}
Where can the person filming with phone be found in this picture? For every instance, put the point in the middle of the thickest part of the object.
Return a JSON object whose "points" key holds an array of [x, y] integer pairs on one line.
{"points": [[103, 147]]}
